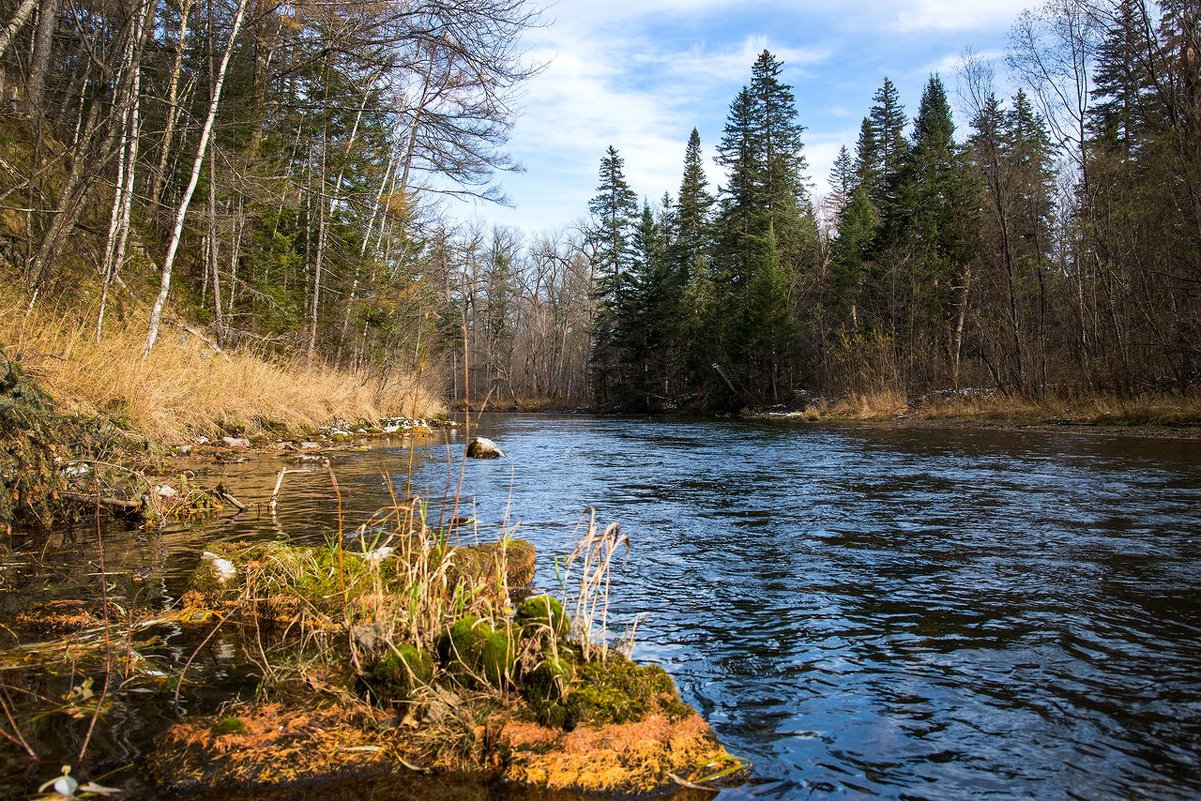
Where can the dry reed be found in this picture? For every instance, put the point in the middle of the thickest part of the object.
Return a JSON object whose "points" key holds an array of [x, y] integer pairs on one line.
{"points": [[186, 388]]}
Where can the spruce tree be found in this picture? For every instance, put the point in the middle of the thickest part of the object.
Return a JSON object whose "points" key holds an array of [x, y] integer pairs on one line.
{"points": [[614, 211], [765, 231], [842, 180], [694, 336], [887, 120]]}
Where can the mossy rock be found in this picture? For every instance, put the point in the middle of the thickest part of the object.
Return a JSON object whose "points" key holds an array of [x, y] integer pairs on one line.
{"points": [[477, 564], [548, 681], [461, 648], [496, 659], [619, 691], [541, 615], [472, 651], [400, 672]]}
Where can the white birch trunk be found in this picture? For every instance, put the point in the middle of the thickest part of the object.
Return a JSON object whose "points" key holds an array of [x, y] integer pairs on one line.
{"points": [[16, 23], [156, 313]]}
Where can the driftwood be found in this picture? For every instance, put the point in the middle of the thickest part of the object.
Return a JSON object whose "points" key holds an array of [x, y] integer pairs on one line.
{"points": [[220, 494], [122, 504], [273, 504]]}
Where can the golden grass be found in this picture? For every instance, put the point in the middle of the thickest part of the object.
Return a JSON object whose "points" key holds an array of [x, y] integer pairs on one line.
{"points": [[881, 404], [186, 388], [1146, 409]]}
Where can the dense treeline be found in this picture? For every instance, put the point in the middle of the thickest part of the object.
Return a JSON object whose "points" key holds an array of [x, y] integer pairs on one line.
{"points": [[268, 170], [1054, 247], [272, 172]]}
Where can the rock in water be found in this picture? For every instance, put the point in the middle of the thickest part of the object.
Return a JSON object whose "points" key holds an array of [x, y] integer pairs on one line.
{"points": [[484, 448], [223, 569]]}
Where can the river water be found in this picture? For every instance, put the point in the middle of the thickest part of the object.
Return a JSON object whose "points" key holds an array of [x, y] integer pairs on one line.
{"points": [[862, 611]]}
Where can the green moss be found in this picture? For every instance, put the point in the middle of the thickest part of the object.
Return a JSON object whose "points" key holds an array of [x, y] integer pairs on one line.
{"points": [[461, 648], [480, 564], [496, 659], [548, 681], [620, 691], [402, 671], [540, 615], [230, 725], [472, 651]]}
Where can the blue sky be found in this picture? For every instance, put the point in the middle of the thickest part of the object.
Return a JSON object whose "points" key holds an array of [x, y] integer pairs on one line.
{"points": [[640, 74]]}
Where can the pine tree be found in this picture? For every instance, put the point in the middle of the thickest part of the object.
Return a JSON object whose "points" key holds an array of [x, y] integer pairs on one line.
{"points": [[692, 228], [933, 196], [1121, 81], [850, 257], [868, 172], [765, 231]]}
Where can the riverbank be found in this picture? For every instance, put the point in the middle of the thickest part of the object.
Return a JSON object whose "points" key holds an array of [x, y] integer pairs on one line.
{"points": [[191, 387], [1177, 415]]}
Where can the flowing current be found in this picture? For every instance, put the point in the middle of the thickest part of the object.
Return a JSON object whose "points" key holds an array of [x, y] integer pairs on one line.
{"points": [[879, 612], [862, 611]]}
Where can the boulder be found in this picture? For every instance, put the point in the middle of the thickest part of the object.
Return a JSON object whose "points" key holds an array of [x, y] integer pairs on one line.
{"points": [[484, 448]]}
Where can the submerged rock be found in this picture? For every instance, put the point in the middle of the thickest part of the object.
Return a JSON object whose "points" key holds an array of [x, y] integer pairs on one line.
{"points": [[484, 448]]}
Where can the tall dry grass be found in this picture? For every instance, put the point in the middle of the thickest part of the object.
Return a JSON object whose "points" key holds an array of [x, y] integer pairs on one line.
{"points": [[1158, 409], [186, 388], [880, 404]]}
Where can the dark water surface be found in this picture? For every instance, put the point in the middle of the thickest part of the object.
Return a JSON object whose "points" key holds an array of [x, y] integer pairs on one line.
{"points": [[862, 611]]}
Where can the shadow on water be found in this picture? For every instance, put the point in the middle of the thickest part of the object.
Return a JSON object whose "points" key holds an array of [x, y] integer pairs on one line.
{"points": [[862, 611]]}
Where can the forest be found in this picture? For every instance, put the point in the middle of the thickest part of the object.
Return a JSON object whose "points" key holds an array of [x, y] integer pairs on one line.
{"points": [[1051, 248], [281, 178]]}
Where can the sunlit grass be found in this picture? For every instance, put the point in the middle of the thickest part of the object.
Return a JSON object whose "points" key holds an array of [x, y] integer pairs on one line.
{"points": [[186, 388]]}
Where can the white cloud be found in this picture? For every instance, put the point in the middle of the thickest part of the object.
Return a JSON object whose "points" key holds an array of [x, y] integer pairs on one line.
{"points": [[640, 74], [956, 15]]}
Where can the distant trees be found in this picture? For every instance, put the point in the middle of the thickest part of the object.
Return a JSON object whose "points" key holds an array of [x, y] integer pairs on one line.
{"points": [[1050, 248], [273, 172]]}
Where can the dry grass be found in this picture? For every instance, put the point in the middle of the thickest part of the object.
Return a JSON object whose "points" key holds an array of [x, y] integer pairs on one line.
{"points": [[1146, 409], [880, 404], [186, 388]]}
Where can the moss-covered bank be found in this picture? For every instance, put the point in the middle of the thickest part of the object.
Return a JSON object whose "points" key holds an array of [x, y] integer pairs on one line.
{"points": [[411, 657]]}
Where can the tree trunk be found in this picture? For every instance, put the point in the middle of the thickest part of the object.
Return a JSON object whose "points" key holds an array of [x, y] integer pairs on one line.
{"points": [[156, 187], [16, 23], [35, 88], [181, 214]]}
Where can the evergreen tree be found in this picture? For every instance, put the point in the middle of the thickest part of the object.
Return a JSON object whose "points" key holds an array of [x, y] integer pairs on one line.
{"points": [[850, 259], [1121, 81], [887, 121], [646, 318], [843, 180], [692, 228], [868, 172], [614, 212], [936, 198], [765, 231]]}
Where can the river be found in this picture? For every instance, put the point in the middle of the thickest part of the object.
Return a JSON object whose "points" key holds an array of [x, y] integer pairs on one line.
{"points": [[862, 611]]}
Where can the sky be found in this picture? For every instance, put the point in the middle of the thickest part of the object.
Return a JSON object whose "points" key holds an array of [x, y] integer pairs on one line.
{"points": [[640, 74]]}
